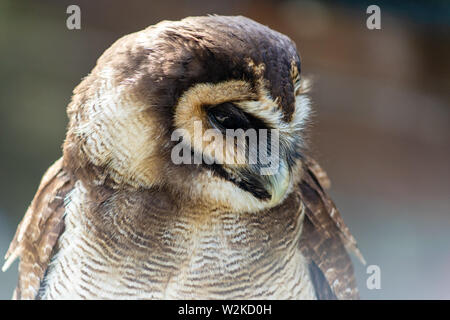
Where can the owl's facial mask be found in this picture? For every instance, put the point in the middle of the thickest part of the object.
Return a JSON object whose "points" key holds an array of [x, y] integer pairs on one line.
{"points": [[240, 145]]}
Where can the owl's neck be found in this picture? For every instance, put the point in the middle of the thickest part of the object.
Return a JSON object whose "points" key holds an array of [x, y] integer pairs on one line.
{"points": [[182, 251]]}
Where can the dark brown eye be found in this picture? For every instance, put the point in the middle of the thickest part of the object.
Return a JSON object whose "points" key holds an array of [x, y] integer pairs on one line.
{"points": [[229, 116]]}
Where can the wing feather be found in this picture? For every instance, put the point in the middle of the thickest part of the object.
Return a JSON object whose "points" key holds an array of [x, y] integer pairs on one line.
{"points": [[39, 230], [325, 238]]}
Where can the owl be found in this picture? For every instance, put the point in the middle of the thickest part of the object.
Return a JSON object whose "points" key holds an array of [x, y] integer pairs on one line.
{"points": [[119, 217]]}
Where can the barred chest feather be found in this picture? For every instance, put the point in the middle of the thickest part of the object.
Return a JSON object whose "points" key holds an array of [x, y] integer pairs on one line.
{"points": [[122, 249]]}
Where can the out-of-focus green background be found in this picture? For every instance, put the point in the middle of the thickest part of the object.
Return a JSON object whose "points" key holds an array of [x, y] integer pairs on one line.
{"points": [[381, 100]]}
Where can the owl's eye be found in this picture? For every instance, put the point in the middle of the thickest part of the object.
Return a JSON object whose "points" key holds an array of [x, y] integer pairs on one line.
{"points": [[229, 116]]}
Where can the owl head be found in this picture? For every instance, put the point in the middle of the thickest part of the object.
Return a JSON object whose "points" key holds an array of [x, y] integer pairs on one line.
{"points": [[180, 90]]}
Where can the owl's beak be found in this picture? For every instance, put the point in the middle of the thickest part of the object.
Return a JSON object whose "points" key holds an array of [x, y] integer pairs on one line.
{"points": [[278, 183], [269, 179]]}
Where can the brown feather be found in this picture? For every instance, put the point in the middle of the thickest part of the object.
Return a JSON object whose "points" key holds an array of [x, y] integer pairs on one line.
{"points": [[325, 238], [39, 231]]}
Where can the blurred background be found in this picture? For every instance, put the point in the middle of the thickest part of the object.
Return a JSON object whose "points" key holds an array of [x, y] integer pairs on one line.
{"points": [[381, 124]]}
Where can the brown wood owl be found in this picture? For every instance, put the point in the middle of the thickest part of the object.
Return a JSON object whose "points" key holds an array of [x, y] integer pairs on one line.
{"points": [[117, 218]]}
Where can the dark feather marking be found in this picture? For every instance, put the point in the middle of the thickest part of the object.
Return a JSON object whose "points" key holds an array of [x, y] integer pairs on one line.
{"points": [[321, 286]]}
